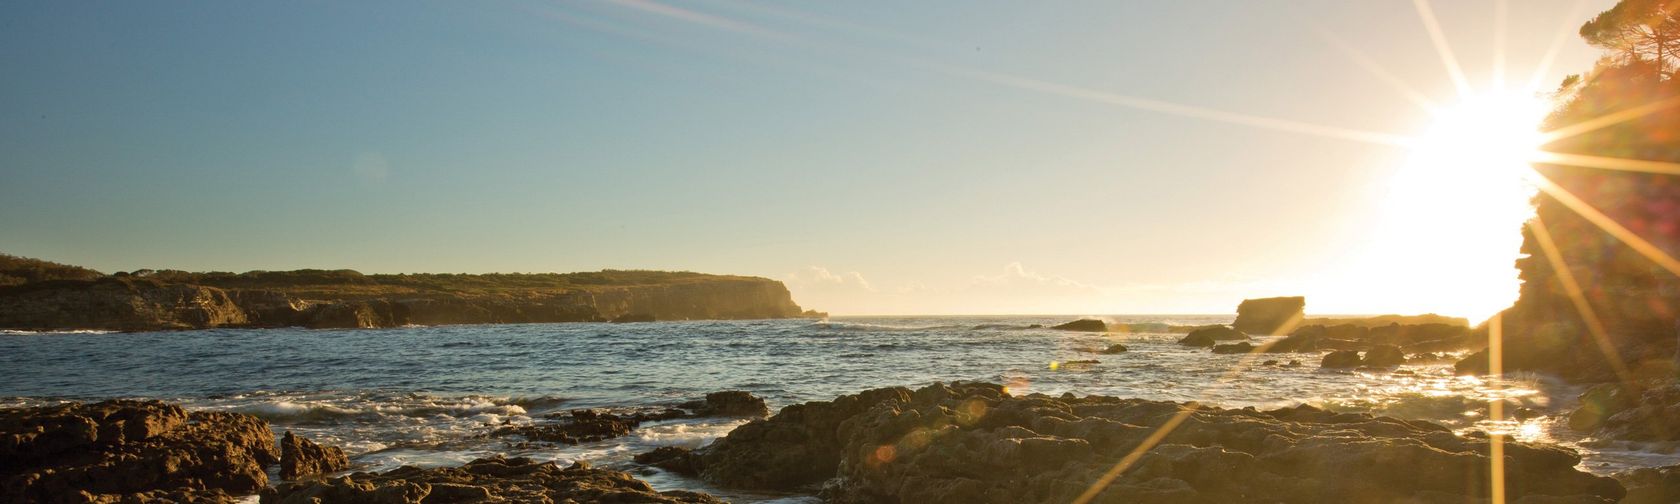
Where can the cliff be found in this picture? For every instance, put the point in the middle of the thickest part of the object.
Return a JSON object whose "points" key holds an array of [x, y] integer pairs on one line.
{"points": [[1631, 301], [156, 300]]}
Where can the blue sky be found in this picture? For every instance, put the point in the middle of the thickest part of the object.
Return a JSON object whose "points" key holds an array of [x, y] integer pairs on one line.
{"points": [[867, 153]]}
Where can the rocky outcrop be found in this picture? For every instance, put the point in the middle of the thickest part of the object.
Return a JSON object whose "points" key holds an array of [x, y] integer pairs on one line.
{"points": [[1234, 348], [1086, 325], [1651, 485], [1340, 359], [1113, 349], [133, 303], [1272, 316], [1638, 411], [1409, 338], [494, 479], [115, 304], [729, 403], [301, 457], [130, 451], [977, 443], [1211, 335]]}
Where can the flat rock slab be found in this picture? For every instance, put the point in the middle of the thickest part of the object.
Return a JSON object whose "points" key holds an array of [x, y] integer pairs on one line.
{"points": [[494, 479], [974, 442]]}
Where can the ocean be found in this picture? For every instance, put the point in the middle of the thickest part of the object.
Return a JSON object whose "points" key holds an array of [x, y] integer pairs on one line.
{"points": [[429, 396]]}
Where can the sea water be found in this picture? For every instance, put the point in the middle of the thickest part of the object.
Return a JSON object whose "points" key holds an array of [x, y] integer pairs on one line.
{"points": [[428, 396]]}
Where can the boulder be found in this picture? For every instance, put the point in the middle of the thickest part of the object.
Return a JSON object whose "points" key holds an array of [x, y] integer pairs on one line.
{"points": [[1384, 356], [1211, 335], [301, 457], [1234, 348], [975, 442], [1340, 359], [735, 403], [1272, 316], [1651, 485], [1113, 349], [1087, 325], [1648, 411], [580, 426], [494, 479], [130, 451]]}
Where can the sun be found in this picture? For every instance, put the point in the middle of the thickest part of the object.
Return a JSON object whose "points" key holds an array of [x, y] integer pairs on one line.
{"points": [[1457, 205]]}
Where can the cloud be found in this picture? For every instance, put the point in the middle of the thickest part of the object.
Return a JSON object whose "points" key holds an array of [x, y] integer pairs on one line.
{"points": [[1016, 275], [817, 276]]}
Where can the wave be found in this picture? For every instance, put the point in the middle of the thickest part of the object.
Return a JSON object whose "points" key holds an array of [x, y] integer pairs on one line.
{"points": [[863, 327], [1006, 327], [19, 332]]}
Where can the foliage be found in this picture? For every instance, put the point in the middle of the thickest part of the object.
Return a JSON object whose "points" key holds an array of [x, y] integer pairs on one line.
{"points": [[1638, 30], [15, 270]]}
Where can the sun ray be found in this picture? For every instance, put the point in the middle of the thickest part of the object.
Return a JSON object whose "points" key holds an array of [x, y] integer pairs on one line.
{"points": [[1496, 407], [1565, 32], [1171, 424], [1609, 225], [1577, 297], [1378, 71], [1177, 109], [1439, 38], [1608, 163], [1610, 119]]}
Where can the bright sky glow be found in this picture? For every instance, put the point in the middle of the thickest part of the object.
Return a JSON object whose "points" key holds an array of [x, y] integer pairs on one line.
{"points": [[891, 158]]}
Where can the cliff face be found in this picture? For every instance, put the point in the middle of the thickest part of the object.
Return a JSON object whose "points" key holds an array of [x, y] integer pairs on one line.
{"points": [[137, 304], [1621, 289]]}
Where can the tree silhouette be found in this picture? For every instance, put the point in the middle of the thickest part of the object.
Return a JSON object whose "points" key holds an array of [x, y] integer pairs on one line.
{"points": [[1638, 30]]}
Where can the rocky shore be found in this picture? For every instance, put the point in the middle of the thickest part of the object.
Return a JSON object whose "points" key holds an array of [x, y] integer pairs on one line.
{"points": [[959, 442]]}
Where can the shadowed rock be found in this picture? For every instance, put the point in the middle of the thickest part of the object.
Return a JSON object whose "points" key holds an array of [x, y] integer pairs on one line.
{"points": [[1384, 356], [970, 442], [735, 403], [1340, 359], [130, 451], [671, 458], [1211, 335], [1087, 325], [302, 457], [1234, 348], [1113, 349], [1269, 315], [494, 479]]}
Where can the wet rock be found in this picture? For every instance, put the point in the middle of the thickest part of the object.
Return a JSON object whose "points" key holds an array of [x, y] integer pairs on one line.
{"points": [[494, 479], [1647, 411], [1293, 363], [302, 457], [1087, 325], [130, 451], [576, 426], [734, 403], [973, 442], [1114, 349], [1234, 348], [1384, 356], [1269, 315], [672, 458], [1340, 359], [1651, 485]]}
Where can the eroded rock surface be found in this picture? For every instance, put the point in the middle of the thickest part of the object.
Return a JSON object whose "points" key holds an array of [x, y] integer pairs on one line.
{"points": [[130, 451], [301, 457], [494, 479], [976, 443], [734, 403]]}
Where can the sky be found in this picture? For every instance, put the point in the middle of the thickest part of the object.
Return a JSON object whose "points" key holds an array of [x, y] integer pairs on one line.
{"points": [[878, 157]]}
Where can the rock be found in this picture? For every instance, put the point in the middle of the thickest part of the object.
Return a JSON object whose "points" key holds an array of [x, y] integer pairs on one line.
{"points": [[1651, 485], [1234, 348], [1271, 316], [494, 479], [1082, 362], [1210, 335], [672, 458], [1114, 349], [974, 442], [734, 403], [1087, 325], [1340, 359], [1384, 356], [1647, 411], [302, 457], [576, 426], [1270, 362], [130, 451], [1293, 363]]}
